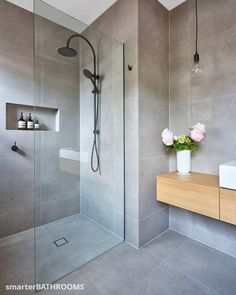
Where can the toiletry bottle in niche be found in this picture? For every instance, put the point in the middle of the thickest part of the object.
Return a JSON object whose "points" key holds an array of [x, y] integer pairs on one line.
{"points": [[21, 122], [30, 123], [36, 125]]}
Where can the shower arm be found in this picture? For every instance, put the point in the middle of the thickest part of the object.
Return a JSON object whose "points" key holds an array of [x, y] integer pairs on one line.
{"points": [[93, 51]]}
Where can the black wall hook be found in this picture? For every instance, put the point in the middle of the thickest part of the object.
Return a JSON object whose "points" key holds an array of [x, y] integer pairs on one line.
{"points": [[14, 148]]}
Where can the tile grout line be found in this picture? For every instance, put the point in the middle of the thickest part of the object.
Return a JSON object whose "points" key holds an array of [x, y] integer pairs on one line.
{"points": [[212, 248], [155, 238], [177, 249], [192, 278]]}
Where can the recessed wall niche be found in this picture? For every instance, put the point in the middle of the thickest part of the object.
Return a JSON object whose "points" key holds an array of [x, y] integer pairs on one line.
{"points": [[48, 117]]}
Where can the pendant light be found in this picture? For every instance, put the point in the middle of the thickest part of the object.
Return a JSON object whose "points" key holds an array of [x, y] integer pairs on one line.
{"points": [[196, 67]]}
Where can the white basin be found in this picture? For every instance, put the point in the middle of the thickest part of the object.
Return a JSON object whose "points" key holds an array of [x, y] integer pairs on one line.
{"points": [[73, 154], [228, 175]]}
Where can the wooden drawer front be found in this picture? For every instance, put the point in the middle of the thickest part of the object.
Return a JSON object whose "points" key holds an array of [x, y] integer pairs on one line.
{"points": [[228, 205], [197, 198]]}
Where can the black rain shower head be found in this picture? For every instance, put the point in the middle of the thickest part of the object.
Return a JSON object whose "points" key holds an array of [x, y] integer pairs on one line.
{"points": [[67, 51]]}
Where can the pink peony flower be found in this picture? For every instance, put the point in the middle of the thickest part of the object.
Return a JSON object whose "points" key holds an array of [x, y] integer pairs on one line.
{"points": [[197, 135], [200, 127], [167, 137]]}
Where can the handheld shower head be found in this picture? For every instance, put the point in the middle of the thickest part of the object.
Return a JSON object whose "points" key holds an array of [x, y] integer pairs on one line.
{"points": [[88, 74], [67, 51], [92, 78]]}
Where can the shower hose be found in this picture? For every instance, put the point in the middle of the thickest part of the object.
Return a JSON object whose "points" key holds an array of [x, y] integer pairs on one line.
{"points": [[95, 161]]}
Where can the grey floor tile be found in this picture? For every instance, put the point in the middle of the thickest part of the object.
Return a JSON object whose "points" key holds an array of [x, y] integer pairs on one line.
{"points": [[166, 280], [74, 278], [86, 241], [17, 259], [92, 251], [120, 270], [210, 267], [166, 244]]}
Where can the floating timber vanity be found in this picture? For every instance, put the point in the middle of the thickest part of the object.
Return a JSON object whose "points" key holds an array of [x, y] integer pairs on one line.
{"points": [[198, 193], [228, 205]]}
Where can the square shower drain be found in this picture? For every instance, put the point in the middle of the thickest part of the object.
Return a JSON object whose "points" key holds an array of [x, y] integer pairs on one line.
{"points": [[61, 242]]}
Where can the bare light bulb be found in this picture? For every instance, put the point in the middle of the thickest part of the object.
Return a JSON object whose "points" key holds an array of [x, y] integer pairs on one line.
{"points": [[196, 70]]}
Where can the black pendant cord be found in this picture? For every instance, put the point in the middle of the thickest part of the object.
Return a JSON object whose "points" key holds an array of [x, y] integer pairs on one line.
{"points": [[196, 9], [196, 55]]}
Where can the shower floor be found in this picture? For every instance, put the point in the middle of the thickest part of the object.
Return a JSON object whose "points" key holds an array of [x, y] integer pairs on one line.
{"points": [[83, 240]]}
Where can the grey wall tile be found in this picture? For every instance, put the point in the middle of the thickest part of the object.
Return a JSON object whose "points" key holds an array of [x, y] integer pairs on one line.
{"points": [[215, 17], [214, 233], [103, 193], [180, 220], [126, 19], [217, 78], [105, 23], [209, 99], [131, 59], [58, 79], [132, 187], [180, 118], [153, 225], [180, 20], [132, 128], [180, 77], [216, 115], [154, 118], [15, 221], [149, 169], [153, 72], [153, 15], [132, 231]]}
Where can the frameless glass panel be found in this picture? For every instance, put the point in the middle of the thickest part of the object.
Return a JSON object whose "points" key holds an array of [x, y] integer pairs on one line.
{"points": [[79, 143]]}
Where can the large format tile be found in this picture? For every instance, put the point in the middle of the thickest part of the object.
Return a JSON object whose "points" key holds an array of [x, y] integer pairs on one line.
{"points": [[153, 14], [131, 77], [125, 19], [217, 113], [153, 225], [132, 231], [86, 241], [166, 244], [210, 267], [17, 260], [149, 169], [166, 280], [214, 233], [75, 278], [153, 73], [120, 270], [180, 19], [154, 118]]}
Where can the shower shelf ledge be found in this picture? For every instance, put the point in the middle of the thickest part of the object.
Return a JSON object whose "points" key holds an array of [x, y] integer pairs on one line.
{"points": [[48, 117]]}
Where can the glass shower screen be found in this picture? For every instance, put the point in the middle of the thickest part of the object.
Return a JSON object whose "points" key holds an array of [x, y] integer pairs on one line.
{"points": [[79, 213]]}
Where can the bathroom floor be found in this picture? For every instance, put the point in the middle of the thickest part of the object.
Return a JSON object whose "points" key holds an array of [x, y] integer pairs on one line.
{"points": [[171, 264], [86, 240]]}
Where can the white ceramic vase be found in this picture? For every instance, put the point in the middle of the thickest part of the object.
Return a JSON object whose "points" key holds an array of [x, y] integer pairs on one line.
{"points": [[184, 162]]}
